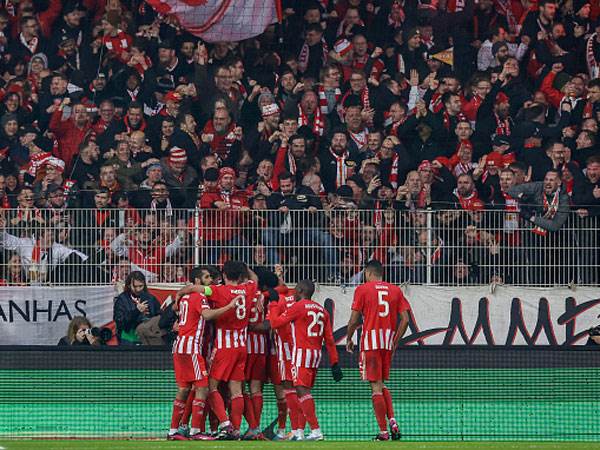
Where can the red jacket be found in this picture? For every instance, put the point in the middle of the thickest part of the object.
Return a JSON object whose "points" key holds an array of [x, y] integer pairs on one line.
{"points": [[222, 224], [69, 137]]}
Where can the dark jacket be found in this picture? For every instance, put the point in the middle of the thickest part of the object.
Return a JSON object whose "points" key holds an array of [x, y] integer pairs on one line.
{"points": [[126, 315]]}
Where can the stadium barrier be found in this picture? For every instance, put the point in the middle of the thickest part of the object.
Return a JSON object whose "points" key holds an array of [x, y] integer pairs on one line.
{"points": [[462, 393], [434, 247], [473, 315]]}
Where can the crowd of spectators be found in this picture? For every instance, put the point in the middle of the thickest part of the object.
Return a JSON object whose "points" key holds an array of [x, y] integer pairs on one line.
{"points": [[392, 107]]}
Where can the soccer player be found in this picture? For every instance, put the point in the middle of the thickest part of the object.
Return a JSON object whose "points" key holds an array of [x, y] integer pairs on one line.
{"points": [[189, 365], [379, 304], [310, 327], [229, 352], [257, 346], [281, 373]]}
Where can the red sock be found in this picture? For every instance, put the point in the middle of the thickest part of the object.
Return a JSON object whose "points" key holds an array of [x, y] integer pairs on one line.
{"points": [[281, 413], [294, 407], [387, 395], [212, 419], [198, 415], [187, 412], [178, 407], [307, 403], [237, 409], [257, 404], [249, 412], [380, 409], [217, 405]]}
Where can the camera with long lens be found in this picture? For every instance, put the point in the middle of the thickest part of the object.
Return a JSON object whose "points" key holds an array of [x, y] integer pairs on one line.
{"points": [[102, 334]]}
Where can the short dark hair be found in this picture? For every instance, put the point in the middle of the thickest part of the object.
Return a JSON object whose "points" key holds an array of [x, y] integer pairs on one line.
{"points": [[235, 270], [306, 288], [196, 274], [285, 175], [375, 267]]}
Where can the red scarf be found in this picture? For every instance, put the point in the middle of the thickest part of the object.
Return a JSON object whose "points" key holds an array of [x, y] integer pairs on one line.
{"points": [[393, 178], [305, 55], [550, 210], [446, 117], [318, 126], [323, 106], [361, 138], [37, 161], [502, 126], [466, 203], [341, 169], [221, 143], [435, 104], [592, 64]]}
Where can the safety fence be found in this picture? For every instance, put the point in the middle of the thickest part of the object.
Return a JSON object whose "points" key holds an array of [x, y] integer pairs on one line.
{"points": [[434, 247], [439, 394]]}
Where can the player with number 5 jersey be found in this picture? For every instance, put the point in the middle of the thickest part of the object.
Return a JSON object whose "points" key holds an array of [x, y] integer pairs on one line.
{"points": [[379, 304]]}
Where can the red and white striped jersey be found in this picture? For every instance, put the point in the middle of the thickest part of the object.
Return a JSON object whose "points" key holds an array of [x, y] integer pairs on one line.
{"points": [[283, 336], [230, 338], [379, 303], [257, 340], [310, 327], [232, 326], [191, 324]]}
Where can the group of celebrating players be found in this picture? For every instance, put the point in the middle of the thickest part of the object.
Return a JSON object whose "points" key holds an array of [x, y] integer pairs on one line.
{"points": [[238, 332]]}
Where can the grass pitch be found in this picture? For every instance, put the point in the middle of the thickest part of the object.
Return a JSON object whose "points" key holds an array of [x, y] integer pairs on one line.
{"points": [[327, 445]]}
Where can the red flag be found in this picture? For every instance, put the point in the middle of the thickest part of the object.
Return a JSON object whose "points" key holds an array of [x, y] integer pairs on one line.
{"points": [[221, 20]]}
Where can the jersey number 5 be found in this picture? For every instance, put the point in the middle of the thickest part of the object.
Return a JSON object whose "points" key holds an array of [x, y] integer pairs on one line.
{"points": [[317, 322], [382, 301]]}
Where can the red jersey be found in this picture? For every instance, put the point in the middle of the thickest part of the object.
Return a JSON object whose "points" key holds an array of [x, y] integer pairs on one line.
{"points": [[310, 327], [283, 335], [379, 303], [257, 340], [191, 324], [232, 326]]}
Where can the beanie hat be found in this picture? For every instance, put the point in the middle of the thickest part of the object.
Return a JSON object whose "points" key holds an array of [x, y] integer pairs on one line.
{"points": [[342, 47], [177, 155]]}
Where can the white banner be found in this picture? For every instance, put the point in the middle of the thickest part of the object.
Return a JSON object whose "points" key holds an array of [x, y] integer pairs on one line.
{"points": [[220, 20], [439, 315], [39, 315], [474, 315]]}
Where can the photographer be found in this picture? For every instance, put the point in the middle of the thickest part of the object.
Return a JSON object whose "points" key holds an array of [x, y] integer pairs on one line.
{"points": [[80, 332]]}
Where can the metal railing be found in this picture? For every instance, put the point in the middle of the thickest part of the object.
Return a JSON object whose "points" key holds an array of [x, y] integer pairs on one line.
{"points": [[92, 247]]}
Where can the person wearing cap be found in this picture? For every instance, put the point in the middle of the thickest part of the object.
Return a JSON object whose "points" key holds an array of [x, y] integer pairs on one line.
{"points": [[411, 53], [180, 177], [51, 172], [222, 221]]}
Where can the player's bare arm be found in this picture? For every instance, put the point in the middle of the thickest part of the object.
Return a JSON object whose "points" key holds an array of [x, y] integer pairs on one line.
{"points": [[402, 326], [212, 314], [353, 324], [191, 288]]}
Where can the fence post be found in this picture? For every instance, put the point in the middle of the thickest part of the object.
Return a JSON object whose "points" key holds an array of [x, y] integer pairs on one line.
{"points": [[429, 234], [196, 236]]}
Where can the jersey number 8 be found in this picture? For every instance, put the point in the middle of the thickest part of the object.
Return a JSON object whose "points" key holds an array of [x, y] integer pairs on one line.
{"points": [[240, 307]]}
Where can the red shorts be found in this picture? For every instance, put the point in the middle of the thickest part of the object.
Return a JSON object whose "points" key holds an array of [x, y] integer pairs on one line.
{"points": [[228, 364], [256, 367], [190, 369], [304, 376], [374, 365]]}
